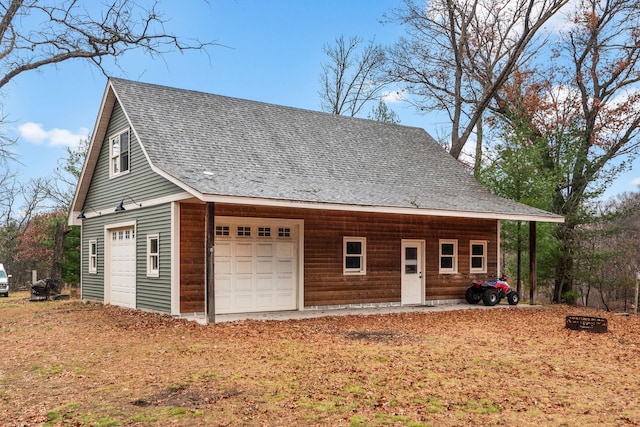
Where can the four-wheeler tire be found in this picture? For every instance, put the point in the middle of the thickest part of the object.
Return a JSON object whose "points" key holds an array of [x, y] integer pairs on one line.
{"points": [[473, 296], [513, 298], [490, 297]]}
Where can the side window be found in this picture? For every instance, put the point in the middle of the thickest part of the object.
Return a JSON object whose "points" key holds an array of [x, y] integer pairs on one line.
{"points": [[153, 255], [119, 152], [478, 261], [93, 256], [448, 256], [355, 255]]}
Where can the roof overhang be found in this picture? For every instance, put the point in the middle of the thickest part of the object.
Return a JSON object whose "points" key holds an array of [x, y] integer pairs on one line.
{"points": [[93, 152], [379, 209]]}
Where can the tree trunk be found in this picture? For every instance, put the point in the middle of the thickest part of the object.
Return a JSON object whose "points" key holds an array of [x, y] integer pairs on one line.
{"points": [[58, 252], [564, 269]]}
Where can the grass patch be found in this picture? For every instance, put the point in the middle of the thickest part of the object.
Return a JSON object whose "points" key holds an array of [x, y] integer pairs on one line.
{"points": [[481, 406]]}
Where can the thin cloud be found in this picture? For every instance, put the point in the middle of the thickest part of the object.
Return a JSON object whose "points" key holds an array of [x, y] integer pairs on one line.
{"points": [[636, 181], [394, 96], [36, 134]]}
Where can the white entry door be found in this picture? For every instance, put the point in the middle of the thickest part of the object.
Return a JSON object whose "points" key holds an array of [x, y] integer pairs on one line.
{"points": [[122, 271], [412, 287]]}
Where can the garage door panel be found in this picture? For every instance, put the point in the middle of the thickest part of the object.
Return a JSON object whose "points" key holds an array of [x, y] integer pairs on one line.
{"points": [[244, 266], [223, 249], [244, 283], [265, 283], [285, 250], [284, 284], [265, 303], [264, 266], [285, 266], [223, 267], [255, 272], [223, 285], [264, 250], [244, 302], [244, 250], [284, 301]]}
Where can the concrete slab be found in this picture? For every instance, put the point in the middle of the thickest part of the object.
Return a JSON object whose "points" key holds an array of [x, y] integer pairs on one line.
{"points": [[369, 311]]}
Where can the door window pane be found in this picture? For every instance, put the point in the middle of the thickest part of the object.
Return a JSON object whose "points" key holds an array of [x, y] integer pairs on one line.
{"points": [[411, 260]]}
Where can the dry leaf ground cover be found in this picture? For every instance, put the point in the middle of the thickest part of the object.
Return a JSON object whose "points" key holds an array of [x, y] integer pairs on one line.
{"points": [[69, 363]]}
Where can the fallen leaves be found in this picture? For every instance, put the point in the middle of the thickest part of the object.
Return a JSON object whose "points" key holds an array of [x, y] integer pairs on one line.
{"points": [[69, 363]]}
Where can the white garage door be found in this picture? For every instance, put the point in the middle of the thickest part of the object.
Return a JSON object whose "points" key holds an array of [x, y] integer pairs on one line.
{"points": [[256, 266], [123, 267]]}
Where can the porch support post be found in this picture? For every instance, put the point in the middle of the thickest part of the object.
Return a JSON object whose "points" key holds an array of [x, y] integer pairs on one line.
{"points": [[532, 262], [209, 269]]}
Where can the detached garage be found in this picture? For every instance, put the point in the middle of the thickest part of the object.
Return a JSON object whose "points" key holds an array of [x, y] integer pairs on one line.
{"points": [[195, 204]]}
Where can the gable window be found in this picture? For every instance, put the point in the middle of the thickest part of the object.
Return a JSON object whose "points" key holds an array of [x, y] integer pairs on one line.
{"points": [[119, 152], [355, 259], [153, 255], [93, 256], [478, 260], [448, 256]]}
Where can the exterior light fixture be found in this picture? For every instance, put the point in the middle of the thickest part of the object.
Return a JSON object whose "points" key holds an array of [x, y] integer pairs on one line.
{"points": [[121, 207], [82, 215]]}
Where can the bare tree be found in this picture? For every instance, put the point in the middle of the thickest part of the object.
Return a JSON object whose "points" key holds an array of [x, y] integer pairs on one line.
{"points": [[459, 53], [351, 77], [34, 33]]}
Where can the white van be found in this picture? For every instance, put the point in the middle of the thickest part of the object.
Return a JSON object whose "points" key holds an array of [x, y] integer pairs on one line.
{"points": [[4, 282]]}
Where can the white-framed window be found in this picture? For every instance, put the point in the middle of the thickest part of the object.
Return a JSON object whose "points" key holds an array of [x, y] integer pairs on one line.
{"points": [[478, 255], [284, 232], [355, 255], [119, 153], [93, 256], [448, 256], [244, 231], [264, 231], [153, 255], [222, 230]]}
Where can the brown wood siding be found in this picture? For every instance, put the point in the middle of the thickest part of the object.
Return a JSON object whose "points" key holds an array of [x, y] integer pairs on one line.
{"points": [[192, 257], [324, 281]]}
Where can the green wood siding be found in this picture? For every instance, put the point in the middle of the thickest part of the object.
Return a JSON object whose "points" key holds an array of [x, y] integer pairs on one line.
{"points": [[140, 183], [92, 284], [152, 293]]}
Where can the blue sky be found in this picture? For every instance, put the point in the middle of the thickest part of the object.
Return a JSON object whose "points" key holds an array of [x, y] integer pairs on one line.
{"points": [[270, 51]]}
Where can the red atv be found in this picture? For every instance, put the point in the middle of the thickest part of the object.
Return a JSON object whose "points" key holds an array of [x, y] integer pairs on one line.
{"points": [[491, 292]]}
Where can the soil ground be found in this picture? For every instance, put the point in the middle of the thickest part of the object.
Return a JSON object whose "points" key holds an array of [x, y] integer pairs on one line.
{"points": [[69, 363]]}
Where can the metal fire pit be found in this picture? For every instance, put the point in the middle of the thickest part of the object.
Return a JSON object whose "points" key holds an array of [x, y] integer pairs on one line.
{"points": [[586, 323]]}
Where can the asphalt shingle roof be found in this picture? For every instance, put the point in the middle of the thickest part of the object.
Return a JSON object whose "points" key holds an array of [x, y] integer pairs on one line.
{"points": [[218, 145]]}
